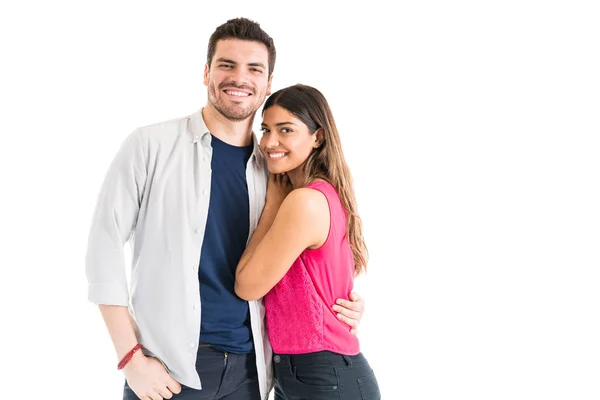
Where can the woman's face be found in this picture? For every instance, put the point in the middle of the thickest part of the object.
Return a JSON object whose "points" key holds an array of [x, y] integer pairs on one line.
{"points": [[286, 141]]}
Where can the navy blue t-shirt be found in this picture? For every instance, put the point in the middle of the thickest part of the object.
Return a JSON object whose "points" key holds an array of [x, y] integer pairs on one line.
{"points": [[225, 317]]}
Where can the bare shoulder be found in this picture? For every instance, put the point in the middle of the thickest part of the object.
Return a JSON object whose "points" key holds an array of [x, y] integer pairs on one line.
{"points": [[307, 211], [306, 202]]}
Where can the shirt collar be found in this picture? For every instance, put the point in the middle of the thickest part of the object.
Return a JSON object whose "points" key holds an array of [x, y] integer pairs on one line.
{"points": [[199, 133], [257, 153], [198, 129]]}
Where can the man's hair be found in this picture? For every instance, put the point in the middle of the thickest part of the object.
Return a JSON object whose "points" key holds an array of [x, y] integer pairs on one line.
{"points": [[242, 29]]}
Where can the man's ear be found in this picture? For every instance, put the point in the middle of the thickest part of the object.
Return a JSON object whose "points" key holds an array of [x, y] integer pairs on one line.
{"points": [[269, 85], [206, 72]]}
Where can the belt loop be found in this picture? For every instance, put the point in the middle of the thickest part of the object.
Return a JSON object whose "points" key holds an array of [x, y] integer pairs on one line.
{"points": [[348, 360]]}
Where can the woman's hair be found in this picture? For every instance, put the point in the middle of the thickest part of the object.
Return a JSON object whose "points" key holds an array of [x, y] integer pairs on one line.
{"points": [[327, 160]]}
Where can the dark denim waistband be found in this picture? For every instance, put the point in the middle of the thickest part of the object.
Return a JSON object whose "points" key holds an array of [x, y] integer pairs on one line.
{"points": [[320, 357]]}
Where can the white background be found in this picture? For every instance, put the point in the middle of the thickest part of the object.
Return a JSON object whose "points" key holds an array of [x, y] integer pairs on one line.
{"points": [[472, 131]]}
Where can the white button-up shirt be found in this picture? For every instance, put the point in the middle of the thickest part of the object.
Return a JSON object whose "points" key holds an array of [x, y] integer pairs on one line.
{"points": [[156, 193]]}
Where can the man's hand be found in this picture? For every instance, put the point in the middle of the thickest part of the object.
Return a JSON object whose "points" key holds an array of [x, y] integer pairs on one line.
{"points": [[350, 312], [149, 379]]}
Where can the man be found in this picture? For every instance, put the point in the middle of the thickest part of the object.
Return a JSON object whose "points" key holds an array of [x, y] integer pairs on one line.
{"points": [[190, 192]]}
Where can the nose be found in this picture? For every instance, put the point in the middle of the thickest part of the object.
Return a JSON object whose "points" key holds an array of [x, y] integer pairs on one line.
{"points": [[239, 76], [271, 140]]}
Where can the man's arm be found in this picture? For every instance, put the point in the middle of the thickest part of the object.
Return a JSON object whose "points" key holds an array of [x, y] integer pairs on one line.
{"points": [[114, 220], [120, 327], [146, 376]]}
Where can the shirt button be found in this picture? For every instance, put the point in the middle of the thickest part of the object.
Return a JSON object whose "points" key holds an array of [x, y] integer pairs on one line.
{"points": [[198, 231], [205, 191], [192, 344], [277, 359], [195, 307]]}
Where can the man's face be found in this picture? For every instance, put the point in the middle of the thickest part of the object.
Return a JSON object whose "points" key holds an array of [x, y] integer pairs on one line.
{"points": [[238, 79]]}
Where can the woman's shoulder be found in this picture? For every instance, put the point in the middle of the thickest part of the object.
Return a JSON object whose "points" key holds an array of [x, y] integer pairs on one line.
{"points": [[307, 202]]}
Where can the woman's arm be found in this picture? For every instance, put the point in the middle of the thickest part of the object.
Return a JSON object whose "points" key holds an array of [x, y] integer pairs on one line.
{"points": [[283, 233]]}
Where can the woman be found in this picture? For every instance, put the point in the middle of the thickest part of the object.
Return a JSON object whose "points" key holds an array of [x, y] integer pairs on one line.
{"points": [[305, 252]]}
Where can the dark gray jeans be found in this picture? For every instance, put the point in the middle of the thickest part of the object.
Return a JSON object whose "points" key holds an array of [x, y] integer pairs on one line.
{"points": [[223, 378], [324, 376]]}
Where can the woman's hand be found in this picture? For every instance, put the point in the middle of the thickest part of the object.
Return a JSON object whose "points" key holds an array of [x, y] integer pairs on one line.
{"points": [[278, 188]]}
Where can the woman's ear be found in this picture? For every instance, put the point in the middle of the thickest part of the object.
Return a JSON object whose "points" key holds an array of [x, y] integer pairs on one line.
{"points": [[319, 138]]}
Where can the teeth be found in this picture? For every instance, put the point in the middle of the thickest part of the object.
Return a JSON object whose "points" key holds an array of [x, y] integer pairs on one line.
{"points": [[276, 155], [240, 94]]}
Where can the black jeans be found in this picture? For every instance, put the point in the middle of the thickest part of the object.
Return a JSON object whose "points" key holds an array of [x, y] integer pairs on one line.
{"points": [[324, 376], [223, 378]]}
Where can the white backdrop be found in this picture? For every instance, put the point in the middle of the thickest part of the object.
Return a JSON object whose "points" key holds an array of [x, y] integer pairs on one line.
{"points": [[472, 131]]}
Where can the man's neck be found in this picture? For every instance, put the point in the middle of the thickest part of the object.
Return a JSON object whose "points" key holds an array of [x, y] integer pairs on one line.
{"points": [[235, 133]]}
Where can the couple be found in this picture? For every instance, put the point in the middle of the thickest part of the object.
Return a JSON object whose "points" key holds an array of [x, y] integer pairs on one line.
{"points": [[191, 191]]}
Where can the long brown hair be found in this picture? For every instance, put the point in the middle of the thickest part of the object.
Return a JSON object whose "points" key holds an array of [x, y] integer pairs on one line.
{"points": [[327, 161]]}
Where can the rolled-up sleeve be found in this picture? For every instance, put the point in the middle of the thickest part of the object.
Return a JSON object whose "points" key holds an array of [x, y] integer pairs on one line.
{"points": [[113, 222]]}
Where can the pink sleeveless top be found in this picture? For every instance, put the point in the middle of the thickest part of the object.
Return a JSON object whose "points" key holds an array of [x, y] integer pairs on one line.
{"points": [[298, 309]]}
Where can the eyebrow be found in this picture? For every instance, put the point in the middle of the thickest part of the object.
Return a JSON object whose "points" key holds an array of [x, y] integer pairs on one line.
{"points": [[254, 64], [279, 124]]}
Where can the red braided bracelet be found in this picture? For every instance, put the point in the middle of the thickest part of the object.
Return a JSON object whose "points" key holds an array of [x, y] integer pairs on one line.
{"points": [[128, 356]]}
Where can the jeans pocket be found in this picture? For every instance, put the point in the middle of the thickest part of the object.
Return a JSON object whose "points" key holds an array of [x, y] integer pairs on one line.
{"points": [[369, 388], [322, 378]]}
